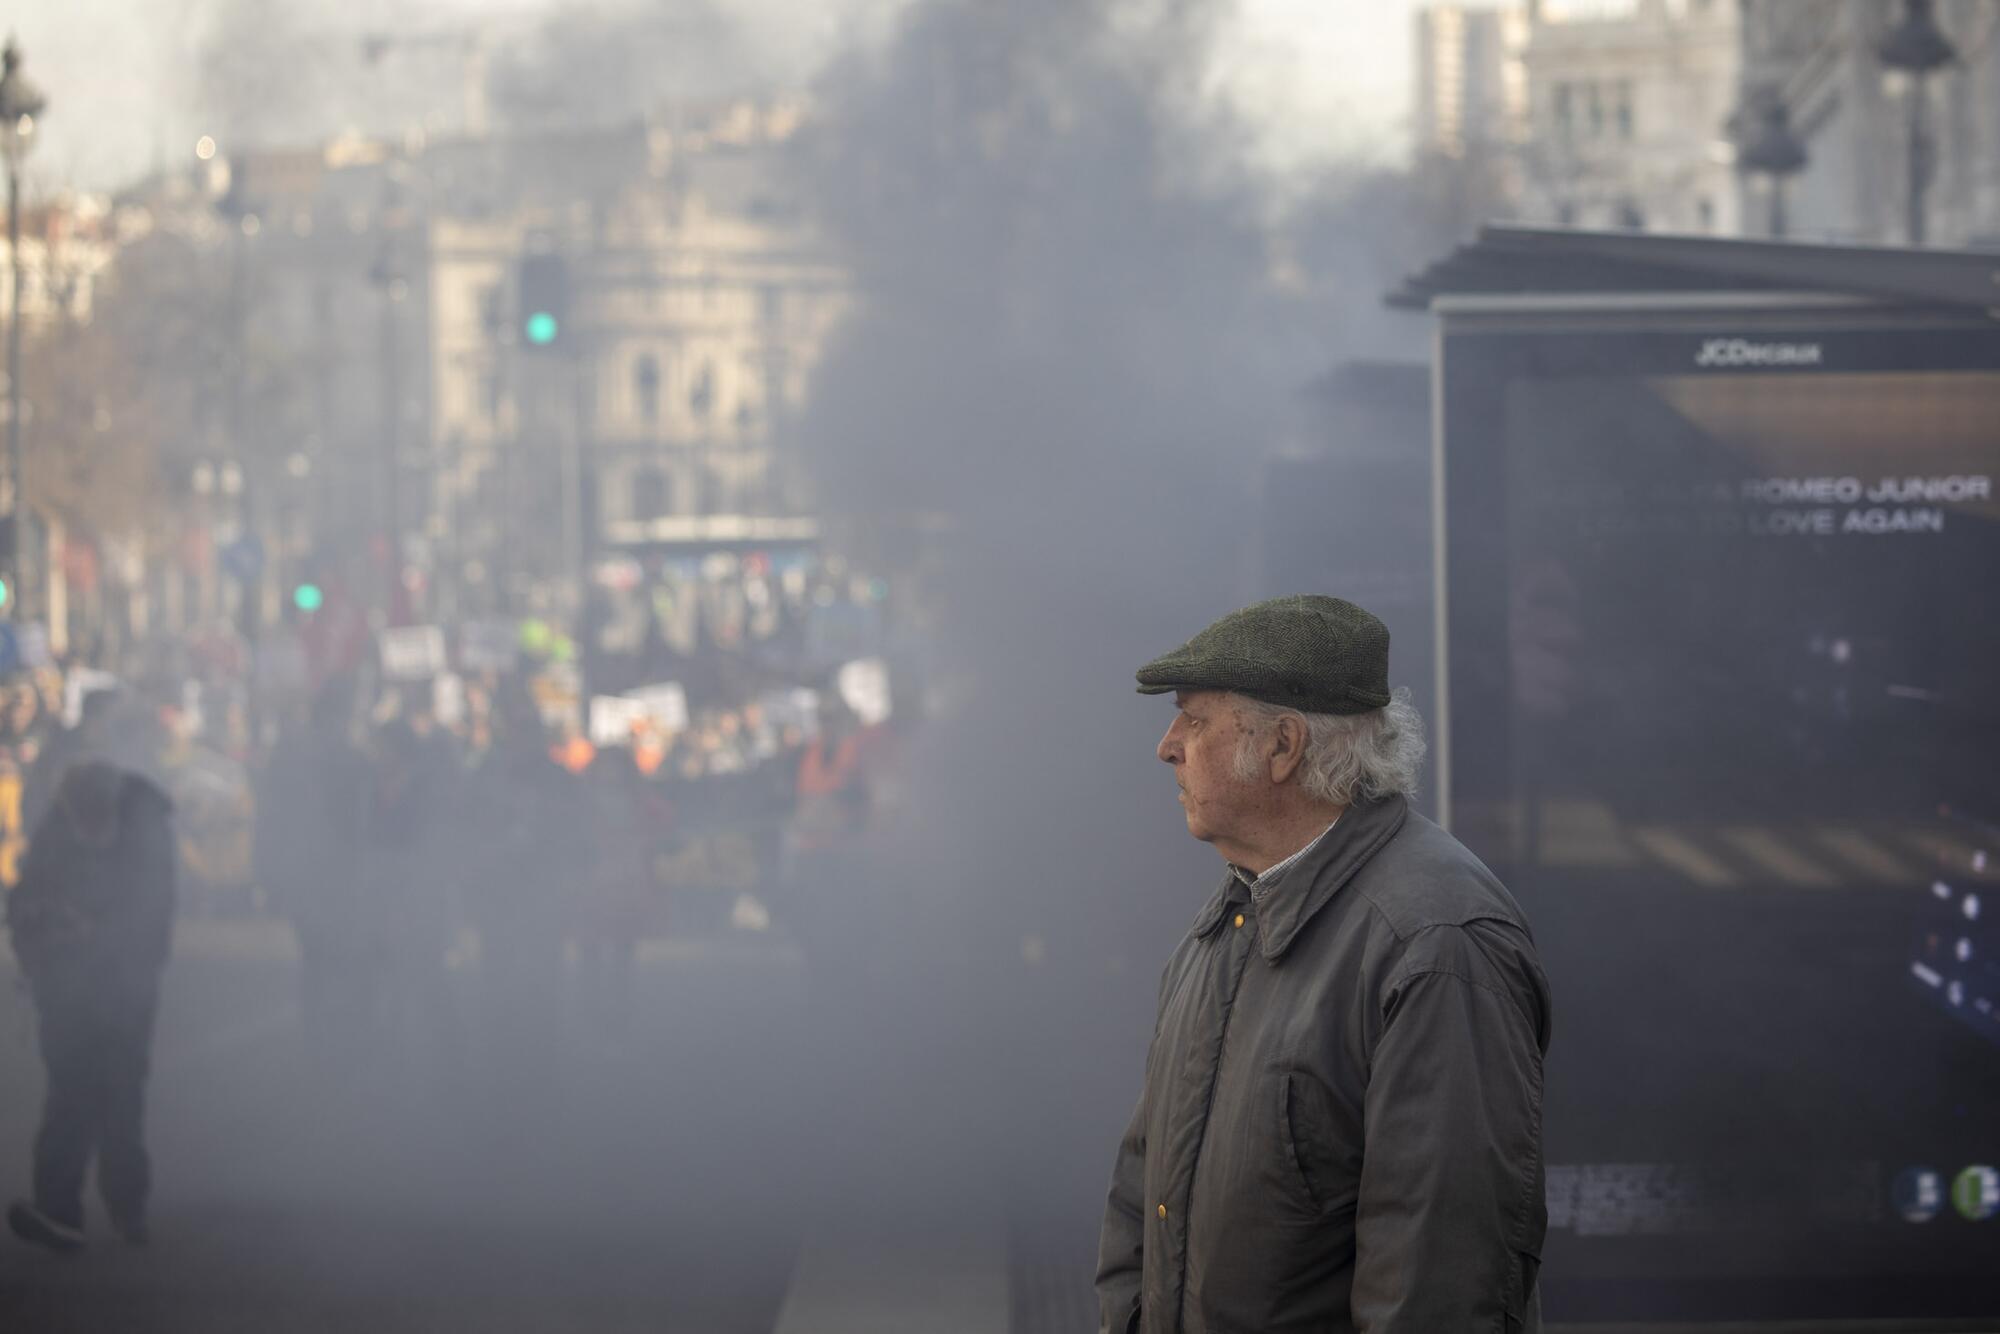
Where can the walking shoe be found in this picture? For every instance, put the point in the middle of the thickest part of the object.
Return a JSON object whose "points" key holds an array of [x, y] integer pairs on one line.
{"points": [[32, 1225], [131, 1229]]}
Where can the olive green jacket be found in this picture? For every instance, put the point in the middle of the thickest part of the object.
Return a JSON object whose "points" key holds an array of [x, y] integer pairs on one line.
{"points": [[1341, 1121]]}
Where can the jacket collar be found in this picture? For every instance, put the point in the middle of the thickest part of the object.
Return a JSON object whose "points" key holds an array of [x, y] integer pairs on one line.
{"points": [[1210, 917], [1288, 902]]}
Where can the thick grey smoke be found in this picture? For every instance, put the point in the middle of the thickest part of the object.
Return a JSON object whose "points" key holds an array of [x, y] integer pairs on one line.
{"points": [[601, 62], [1077, 336], [1054, 314], [260, 75], [1079, 328]]}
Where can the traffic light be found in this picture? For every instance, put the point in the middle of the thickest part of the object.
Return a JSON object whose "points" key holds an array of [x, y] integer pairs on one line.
{"points": [[544, 300], [6, 593], [308, 597]]}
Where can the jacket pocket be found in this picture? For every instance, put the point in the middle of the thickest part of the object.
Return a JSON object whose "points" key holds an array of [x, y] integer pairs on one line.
{"points": [[1524, 1300], [1295, 1130]]}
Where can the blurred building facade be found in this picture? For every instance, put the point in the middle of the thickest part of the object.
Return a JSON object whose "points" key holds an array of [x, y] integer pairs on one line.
{"points": [[92, 419], [283, 319], [66, 246], [1629, 99], [354, 405], [1632, 114], [699, 299], [1471, 79], [1851, 114]]}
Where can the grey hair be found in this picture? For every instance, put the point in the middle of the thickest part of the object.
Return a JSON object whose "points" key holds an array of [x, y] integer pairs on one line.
{"points": [[1348, 756]]}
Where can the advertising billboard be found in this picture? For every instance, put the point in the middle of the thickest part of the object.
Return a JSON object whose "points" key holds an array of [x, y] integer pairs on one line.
{"points": [[1722, 689]]}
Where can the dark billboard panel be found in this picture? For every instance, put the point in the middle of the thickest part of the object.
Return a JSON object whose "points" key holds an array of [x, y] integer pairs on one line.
{"points": [[1724, 709]]}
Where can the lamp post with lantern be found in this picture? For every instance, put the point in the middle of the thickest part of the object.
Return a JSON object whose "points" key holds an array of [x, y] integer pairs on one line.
{"points": [[1766, 145], [1911, 51], [20, 104]]}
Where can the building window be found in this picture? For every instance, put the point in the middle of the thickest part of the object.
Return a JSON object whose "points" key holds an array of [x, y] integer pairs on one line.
{"points": [[1566, 214], [646, 387], [1565, 111], [1704, 212], [1587, 11], [701, 395], [491, 311], [1631, 216], [1593, 110], [1622, 110], [489, 393], [652, 495]]}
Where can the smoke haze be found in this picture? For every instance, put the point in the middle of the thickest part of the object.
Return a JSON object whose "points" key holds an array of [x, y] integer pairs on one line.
{"points": [[1083, 313]]}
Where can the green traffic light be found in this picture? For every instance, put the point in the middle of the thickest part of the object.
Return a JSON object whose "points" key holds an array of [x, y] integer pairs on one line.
{"points": [[6, 593], [541, 328], [307, 597]]}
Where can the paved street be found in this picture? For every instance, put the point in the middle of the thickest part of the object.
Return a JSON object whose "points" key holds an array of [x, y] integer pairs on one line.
{"points": [[653, 1182], [752, 1154]]}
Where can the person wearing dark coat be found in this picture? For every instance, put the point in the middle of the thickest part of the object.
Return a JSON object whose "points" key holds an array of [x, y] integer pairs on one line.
{"points": [[91, 922], [1340, 1126], [409, 797], [312, 822], [532, 823]]}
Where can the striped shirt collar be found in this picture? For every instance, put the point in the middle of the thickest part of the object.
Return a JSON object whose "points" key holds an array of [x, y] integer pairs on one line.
{"points": [[1257, 884]]}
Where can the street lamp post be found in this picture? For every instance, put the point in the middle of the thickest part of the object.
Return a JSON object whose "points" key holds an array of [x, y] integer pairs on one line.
{"points": [[20, 103], [239, 217], [1767, 146], [389, 279], [1913, 50]]}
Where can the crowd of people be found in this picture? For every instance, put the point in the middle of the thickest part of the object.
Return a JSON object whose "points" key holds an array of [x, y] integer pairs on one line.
{"points": [[478, 878], [402, 848]]}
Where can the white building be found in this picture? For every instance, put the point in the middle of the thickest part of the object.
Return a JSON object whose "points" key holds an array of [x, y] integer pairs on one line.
{"points": [[67, 246], [1852, 117], [700, 300], [1629, 103], [1634, 103]]}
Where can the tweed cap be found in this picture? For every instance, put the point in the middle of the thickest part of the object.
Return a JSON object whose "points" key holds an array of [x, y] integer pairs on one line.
{"points": [[1307, 652]]}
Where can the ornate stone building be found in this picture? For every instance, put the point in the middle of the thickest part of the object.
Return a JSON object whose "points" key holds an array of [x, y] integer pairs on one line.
{"points": [[698, 301]]}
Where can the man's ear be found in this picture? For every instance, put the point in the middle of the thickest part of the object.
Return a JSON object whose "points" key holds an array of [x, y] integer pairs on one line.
{"points": [[1288, 744]]}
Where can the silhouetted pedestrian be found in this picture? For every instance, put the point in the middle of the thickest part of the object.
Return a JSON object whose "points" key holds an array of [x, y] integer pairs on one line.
{"points": [[91, 923], [311, 826]]}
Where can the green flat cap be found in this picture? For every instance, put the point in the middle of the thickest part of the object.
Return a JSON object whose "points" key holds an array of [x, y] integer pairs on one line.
{"points": [[1310, 653]]}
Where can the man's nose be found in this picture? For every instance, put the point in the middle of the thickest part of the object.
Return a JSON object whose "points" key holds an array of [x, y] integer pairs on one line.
{"points": [[1169, 749]]}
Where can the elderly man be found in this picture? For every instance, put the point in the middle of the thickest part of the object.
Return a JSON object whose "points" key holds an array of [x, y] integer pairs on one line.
{"points": [[1341, 1121]]}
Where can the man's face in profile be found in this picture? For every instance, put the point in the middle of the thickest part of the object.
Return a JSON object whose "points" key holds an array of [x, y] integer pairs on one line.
{"points": [[1202, 744]]}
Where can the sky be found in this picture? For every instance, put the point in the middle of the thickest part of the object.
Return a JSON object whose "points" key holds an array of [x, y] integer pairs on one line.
{"points": [[1318, 78]]}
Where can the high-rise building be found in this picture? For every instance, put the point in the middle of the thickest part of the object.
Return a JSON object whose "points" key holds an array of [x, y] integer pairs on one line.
{"points": [[1472, 87]]}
